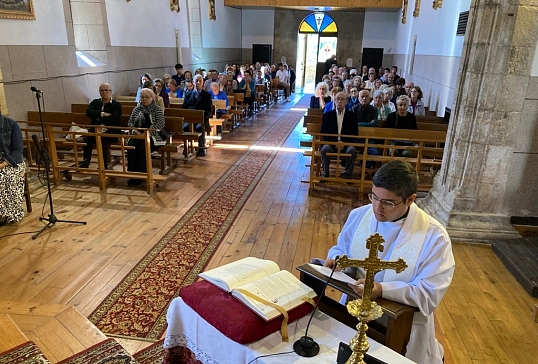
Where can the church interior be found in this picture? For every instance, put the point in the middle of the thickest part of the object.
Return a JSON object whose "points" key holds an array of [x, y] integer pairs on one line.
{"points": [[251, 195]]}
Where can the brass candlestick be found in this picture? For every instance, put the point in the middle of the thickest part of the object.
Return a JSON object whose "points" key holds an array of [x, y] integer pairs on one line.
{"points": [[364, 309]]}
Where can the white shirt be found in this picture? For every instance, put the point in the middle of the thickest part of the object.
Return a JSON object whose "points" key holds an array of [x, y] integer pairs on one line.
{"points": [[430, 279], [283, 76], [340, 121]]}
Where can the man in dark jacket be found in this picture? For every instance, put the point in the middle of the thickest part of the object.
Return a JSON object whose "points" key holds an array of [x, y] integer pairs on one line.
{"points": [[105, 112], [199, 99], [339, 122]]}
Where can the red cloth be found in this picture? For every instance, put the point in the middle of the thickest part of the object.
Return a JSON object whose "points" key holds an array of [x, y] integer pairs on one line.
{"points": [[230, 316]]}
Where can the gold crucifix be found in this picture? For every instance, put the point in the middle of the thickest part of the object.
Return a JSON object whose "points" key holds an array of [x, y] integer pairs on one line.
{"points": [[364, 309]]}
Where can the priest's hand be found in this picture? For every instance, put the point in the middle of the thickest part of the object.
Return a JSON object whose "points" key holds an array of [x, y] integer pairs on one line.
{"points": [[358, 287], [330, 263]]}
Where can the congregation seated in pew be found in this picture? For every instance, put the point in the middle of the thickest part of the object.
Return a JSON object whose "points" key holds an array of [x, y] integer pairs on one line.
{"points": [[146, 115]]}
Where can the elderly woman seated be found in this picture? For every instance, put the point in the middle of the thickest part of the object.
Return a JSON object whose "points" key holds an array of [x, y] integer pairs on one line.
{"points": [[416, 106], [402, 119], [175, 92], [217, 94], [388, 93], [12, 169], [146, 115], [321, 98], [383, 110]]}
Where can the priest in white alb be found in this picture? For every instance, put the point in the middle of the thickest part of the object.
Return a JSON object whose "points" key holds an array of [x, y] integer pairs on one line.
{"points": [[411, 234]]}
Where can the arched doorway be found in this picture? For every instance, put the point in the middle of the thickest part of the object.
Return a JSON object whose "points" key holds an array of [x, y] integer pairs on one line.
{"points": [[316, 42]]}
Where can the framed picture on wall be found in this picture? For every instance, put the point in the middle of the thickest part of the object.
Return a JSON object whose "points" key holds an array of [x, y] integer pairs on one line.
{"points": [[17, 9]]}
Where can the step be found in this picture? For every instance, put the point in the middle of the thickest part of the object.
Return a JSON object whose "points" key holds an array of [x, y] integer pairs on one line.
{"points": [[59, 331]]}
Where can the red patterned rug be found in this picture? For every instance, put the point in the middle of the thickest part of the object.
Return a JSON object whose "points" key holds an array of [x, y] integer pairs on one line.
{"points": [[137, 306], [106, 352], [152, 354], [27, 353]]}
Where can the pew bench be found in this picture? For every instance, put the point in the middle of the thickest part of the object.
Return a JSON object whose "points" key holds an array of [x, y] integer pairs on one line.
{"points": [[426, 155], [53, 130]]}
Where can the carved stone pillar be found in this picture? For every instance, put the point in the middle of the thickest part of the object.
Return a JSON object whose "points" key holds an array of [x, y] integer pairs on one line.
{"points": [[491, 147]]}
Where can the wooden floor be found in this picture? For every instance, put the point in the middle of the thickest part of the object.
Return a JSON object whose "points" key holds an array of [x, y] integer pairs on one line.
{"points": [[484, 318]]}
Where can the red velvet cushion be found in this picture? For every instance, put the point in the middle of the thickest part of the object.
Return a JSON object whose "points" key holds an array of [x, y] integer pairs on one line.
{"points": [[230, 316]]}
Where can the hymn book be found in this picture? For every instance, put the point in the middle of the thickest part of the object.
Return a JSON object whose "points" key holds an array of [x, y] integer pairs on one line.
{"points": [[263, 279]]}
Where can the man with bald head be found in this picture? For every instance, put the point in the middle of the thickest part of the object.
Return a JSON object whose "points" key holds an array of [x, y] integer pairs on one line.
{"points": [[407, 87], [339, 122]]}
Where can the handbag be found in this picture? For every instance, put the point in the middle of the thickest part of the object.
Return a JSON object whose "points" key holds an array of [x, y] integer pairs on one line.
{"points": [[76, 129]]}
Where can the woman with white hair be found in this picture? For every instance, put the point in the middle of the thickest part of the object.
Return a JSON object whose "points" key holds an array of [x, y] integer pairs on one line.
{"points": [[383, 110], [145, 115], [388, 93], [320, 99], [402, 119]]}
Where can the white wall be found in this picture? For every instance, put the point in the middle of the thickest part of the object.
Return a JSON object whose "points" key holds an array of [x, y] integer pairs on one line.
{"points": [[225, 32], [438, 51], [159, 23], [437, 29], [257, 27], [380, 30], [47, 29]]}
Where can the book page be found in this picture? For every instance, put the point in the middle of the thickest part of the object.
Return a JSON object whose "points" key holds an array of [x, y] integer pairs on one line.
{"points": [[338, 275], [236, 274], [281, 288]]}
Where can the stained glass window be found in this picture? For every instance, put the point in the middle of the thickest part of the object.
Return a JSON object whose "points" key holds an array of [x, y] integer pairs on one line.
{"points": [[318, 23]]}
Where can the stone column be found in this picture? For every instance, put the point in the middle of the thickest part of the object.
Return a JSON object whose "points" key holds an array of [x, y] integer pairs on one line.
{"points": [[491, 147]]}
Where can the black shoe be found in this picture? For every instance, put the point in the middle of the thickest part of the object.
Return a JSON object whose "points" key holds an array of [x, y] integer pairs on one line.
{"points": [[345, 175], [200, 153], [135, 182], [84, 164], [67, 175]]}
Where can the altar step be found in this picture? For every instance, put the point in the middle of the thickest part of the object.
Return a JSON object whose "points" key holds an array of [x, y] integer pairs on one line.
{"points": [[520, 257], [60, 332]]}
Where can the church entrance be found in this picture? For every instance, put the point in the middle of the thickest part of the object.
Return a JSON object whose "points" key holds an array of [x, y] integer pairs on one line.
{"points": [[316, 42]]}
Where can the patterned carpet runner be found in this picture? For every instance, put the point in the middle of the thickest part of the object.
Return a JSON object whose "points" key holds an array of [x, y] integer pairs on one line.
{"points": [[106, 352], [137, 306], [27, 353], [152, 354]]}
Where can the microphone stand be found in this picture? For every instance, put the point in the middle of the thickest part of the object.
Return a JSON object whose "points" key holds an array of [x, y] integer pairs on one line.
{"points": [[52, 219], [306, 346]]}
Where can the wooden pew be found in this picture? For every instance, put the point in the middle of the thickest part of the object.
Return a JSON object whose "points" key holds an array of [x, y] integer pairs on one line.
{"points": [[53, 131], [426, 149]]}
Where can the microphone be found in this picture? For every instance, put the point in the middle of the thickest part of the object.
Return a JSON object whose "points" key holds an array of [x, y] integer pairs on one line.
{"points": [[34, 89], [306, 346]]}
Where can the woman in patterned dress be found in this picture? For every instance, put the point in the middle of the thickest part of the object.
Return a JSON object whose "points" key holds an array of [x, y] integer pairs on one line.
{"points": [[12, 169]]}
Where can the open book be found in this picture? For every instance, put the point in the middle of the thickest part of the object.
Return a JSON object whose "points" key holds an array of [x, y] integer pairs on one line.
{"points": [[263, 279]]}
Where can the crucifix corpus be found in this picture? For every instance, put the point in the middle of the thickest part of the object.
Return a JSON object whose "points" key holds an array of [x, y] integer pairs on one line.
{"points": [[364, 309]]}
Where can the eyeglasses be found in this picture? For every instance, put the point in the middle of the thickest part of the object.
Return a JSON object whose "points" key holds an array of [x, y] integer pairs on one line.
{"points": [[389, 205], [104, 90]]}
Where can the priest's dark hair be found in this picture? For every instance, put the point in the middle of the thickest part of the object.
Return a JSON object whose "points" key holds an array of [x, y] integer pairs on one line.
{"points": [[399, 177]]}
